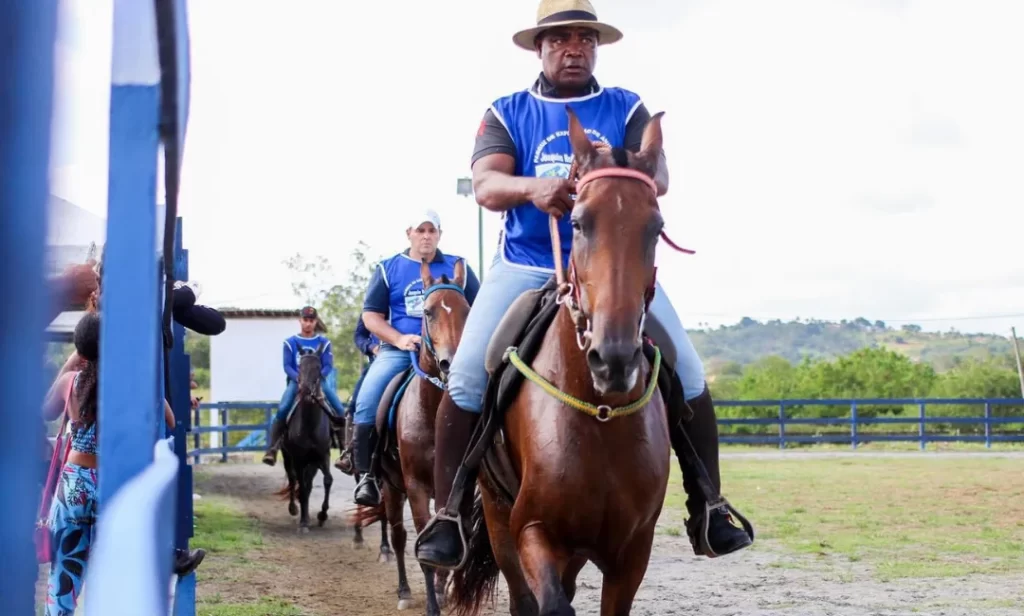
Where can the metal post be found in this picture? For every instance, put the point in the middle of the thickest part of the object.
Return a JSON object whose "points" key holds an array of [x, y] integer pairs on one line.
{"points": [[464, 187], [853, 425], [1016, 352], [922, 428], [28, 31], [988, 425], [782, 425]]}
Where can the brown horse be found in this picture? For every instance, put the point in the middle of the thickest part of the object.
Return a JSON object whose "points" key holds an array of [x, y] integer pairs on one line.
{"points": [[407, 465], [592, 471]]}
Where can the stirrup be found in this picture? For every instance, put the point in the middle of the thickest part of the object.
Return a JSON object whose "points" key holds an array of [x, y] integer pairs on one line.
{"points": [[442, 516], [701, 544]]}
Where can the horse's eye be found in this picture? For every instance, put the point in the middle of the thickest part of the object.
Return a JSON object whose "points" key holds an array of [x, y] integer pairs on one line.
{"points": [[429, 313], [575, 224]]}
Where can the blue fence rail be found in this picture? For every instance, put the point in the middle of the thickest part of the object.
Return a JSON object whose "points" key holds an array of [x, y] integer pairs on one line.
{"points": [[862, 421], [782, 423]]}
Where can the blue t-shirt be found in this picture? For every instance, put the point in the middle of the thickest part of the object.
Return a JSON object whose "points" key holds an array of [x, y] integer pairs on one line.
{"points": [[396, 289], [539, 127], [291, 354]]}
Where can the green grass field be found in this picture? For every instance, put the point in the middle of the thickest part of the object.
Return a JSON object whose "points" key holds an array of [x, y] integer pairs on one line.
{"points": [[914, 516], [229, 537]]}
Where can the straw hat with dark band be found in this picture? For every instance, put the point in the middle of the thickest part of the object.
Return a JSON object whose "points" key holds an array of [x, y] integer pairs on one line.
{"points": [[566, 13]]}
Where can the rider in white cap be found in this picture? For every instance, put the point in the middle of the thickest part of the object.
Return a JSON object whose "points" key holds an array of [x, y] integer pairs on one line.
{"points": [[393, 312]]}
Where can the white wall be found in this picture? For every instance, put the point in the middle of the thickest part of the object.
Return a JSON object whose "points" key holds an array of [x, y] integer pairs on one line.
{"points": [[245, 359]]}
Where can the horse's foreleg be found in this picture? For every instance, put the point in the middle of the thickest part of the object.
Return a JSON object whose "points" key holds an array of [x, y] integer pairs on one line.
{"points": [[357, 539], [521, 599], [394, 506], [621, 582], [543, 563], [419, 502], [325, 469], [290, 473], [305, 487], [385, 546], [573, 569]]}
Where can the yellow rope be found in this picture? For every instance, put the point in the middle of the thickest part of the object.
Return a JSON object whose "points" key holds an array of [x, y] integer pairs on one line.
{"points": [[601, 412]]}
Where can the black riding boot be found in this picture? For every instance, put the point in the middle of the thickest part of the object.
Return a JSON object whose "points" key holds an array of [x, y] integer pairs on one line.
{"points": [[442, 542], [722, 536], [274, 442], [366, 492], [186, 561]]}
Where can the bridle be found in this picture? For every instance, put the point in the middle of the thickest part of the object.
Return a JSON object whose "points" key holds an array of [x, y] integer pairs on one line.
{"points": [[428, 343], [569, 287]]}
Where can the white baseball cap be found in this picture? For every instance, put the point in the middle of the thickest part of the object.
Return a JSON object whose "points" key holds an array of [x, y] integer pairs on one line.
{"points": [[423, 216]]}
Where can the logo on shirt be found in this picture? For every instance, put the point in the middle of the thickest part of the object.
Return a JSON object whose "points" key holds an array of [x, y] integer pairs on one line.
{"points": [[549, 164], [414, 298]]}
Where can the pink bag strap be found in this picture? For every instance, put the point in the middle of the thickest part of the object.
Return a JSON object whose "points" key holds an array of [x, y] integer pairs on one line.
{"points": [[59, 457]]}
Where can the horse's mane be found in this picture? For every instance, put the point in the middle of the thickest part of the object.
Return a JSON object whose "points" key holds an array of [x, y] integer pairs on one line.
{"points": [[621, 157]]}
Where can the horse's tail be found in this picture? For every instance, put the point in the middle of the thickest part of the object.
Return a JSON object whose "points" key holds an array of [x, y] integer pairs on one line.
{"points": [[364, 516], [475, 582]]}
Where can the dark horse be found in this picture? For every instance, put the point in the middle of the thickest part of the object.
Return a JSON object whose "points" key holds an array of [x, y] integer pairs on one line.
{"points": [[307, 441], [586, 432]]}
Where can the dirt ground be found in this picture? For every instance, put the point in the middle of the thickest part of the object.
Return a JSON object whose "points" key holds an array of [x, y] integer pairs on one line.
{"points": [[323, 573]]}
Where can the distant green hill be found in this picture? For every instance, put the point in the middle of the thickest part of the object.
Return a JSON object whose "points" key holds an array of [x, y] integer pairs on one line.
{"points": [[750, 340]]}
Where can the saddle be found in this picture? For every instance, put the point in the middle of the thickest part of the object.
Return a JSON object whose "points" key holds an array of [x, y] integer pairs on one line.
{"points": [[524, 327], [384, 458]]}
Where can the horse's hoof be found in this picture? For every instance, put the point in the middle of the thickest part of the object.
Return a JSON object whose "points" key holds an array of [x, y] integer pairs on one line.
{"points": [[321, 517], [384, 557], [293, 509], [303, 530], [404, 604]]}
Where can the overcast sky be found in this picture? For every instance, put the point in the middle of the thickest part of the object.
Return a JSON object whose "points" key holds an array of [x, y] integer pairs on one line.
{"points": [[829, 158]]}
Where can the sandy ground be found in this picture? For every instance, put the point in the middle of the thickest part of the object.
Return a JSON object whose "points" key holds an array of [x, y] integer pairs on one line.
{"points": [[324, 573]]}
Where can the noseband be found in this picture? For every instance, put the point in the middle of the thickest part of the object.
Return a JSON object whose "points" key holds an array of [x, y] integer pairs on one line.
{"points": [[440, 384], [569, 289]]}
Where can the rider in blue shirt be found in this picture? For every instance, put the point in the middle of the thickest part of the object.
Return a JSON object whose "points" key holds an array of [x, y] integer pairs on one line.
{"points": [[393, 311], [521, 168], [309, 337]]}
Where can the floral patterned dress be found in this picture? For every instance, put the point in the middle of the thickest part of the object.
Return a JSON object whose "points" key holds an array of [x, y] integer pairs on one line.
{"points": [[72, 518]]}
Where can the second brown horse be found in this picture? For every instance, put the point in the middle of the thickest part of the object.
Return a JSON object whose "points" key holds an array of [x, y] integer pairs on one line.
{"points": [[406, 458]]}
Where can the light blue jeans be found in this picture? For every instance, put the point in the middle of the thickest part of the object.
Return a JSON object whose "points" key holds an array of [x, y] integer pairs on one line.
{"points": [[389, 362], [288, 399], [503, 284]]}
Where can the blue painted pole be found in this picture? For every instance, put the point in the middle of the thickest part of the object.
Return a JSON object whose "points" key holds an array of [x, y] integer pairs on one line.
{"points": [[130, 391], [28, 31]]}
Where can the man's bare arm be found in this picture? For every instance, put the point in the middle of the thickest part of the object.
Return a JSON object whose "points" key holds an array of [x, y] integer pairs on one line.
{"points": [[496, 186], [378, 325]]}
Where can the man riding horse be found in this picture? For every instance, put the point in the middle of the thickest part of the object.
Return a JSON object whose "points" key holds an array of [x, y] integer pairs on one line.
{"points": [[308, 338], [521, 167], [393, 312]]}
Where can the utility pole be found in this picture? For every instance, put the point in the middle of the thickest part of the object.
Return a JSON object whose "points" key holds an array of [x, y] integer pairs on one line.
{"points": [[464, 187], [1016, 352]]}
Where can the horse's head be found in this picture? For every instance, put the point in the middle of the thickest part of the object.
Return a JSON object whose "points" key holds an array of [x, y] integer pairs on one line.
{"points": [[309, 371], [616, 224], [445, 309]]}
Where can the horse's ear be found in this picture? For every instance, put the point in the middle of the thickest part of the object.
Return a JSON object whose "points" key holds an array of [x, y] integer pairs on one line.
{"points": [[460, 273], [648, 158], [583, 151], [320, 349], [425, 275]]}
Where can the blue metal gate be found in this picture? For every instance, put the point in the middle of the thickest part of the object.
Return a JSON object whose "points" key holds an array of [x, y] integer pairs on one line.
{"points": [[145, 486]]}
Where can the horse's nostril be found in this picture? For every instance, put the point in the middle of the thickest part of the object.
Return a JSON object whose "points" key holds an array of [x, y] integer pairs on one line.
{"points": [[444, 365]]}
